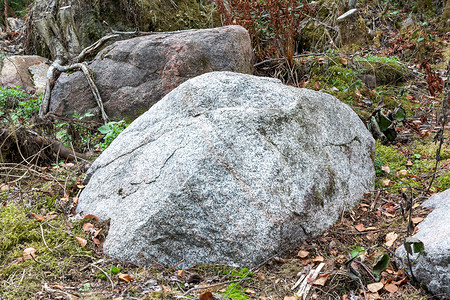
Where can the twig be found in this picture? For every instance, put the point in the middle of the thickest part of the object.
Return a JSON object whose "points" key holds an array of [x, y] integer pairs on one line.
{"points": [[106, 274], [362, 287], [212, 285], [43, 238]]}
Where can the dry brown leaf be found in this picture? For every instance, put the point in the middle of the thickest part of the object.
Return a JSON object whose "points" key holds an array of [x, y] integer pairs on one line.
{"points": [[409, 163], [306, 261], [97, 232], [180, 273], [75, 200], [317, 85], [125, 277], [375, 287], [4, 187], [402, 172], [322, 279], [37, 217], [391, 288], [372, 228], [417, 220], [250, 291], [344, 61], [318, 259], [87, 227], [373, 296], [386, 182], [344, 297], [360, 227], [58, 287], [388, 215], [29, 253], [82, 241], [290, 298], [401, 281], [390, 239], [91, 217], [261, 276], [96, 241], [386, 169], [302, 253], [206, 296]]}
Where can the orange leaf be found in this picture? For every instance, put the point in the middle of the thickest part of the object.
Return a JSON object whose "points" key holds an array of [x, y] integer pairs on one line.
{"points": [[317, 85], [391, 288], [206, 296], [38, 218], [75, 200], [306, 261], [386, 169], [82, 241], [261, 276], [96, 241], [58, 287], [180, 273], [360, 227], [125, 277], [372, 228], [87, 227], [401, 281], [322, 279], [344, 61], [91, 217], [302, 253], [97, 232], [386, 182]]}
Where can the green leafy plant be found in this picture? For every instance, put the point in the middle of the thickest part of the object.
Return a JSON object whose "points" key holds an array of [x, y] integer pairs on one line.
{"points": [[111, 131], [112, 270]]}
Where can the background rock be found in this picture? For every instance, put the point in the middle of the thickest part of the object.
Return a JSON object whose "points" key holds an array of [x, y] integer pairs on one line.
{"points": [[134, 74], [229, 168], [18, 71], [433, 266]]}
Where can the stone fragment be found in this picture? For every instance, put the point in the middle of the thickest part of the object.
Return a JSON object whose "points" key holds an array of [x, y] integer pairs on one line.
{"points": [[352, 29]]}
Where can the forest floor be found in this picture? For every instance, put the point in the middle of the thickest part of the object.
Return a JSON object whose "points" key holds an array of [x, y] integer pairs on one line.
{"points": [[46, 252]]}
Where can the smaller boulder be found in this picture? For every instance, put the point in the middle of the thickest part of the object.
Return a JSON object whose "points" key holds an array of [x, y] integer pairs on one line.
{"points": [[432, 267], [25, 71], [352, 29]]}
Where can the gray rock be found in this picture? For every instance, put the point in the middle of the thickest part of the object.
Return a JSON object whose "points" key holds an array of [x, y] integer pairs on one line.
{"points": [[134, 74], [433, 266], [229, 168]]}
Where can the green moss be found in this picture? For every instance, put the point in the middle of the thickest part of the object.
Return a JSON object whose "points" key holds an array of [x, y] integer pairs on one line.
{"points": [[387, 70], [443, 181], [389, 156], [18, 231]]}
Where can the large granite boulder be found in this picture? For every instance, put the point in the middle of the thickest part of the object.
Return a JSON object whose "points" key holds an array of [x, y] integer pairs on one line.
{"points": [[28, 72], [134, 74], [432, 268], [228, 168]]}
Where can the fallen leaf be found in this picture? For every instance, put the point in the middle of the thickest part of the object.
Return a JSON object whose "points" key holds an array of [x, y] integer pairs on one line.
{"points": [[58, 287], [4, 187], [180, 273], [82, 241], [317, 85], [306, 261], [417, 220], [360, 227], [29, 253], [37, 217], [386, 169], [373, 296], [75, 200], [388, 215], [290, 298], [386, 182], [206, 296], [372, 228], [401, 281], [403, 172], [409, 163], [344, 297], [97, 232], [318, 259], [250, 291], [96, 241], [390, 239], [261, 276], [91, 217], [344, 61], [322, 279], [375, 287], [391, 288], [87, 227], [302, 253], [125, 277]]}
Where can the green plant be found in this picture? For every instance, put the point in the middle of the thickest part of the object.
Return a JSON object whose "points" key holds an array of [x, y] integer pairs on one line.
{"points": [[17, 103], [111, 270], [111, 131]]}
